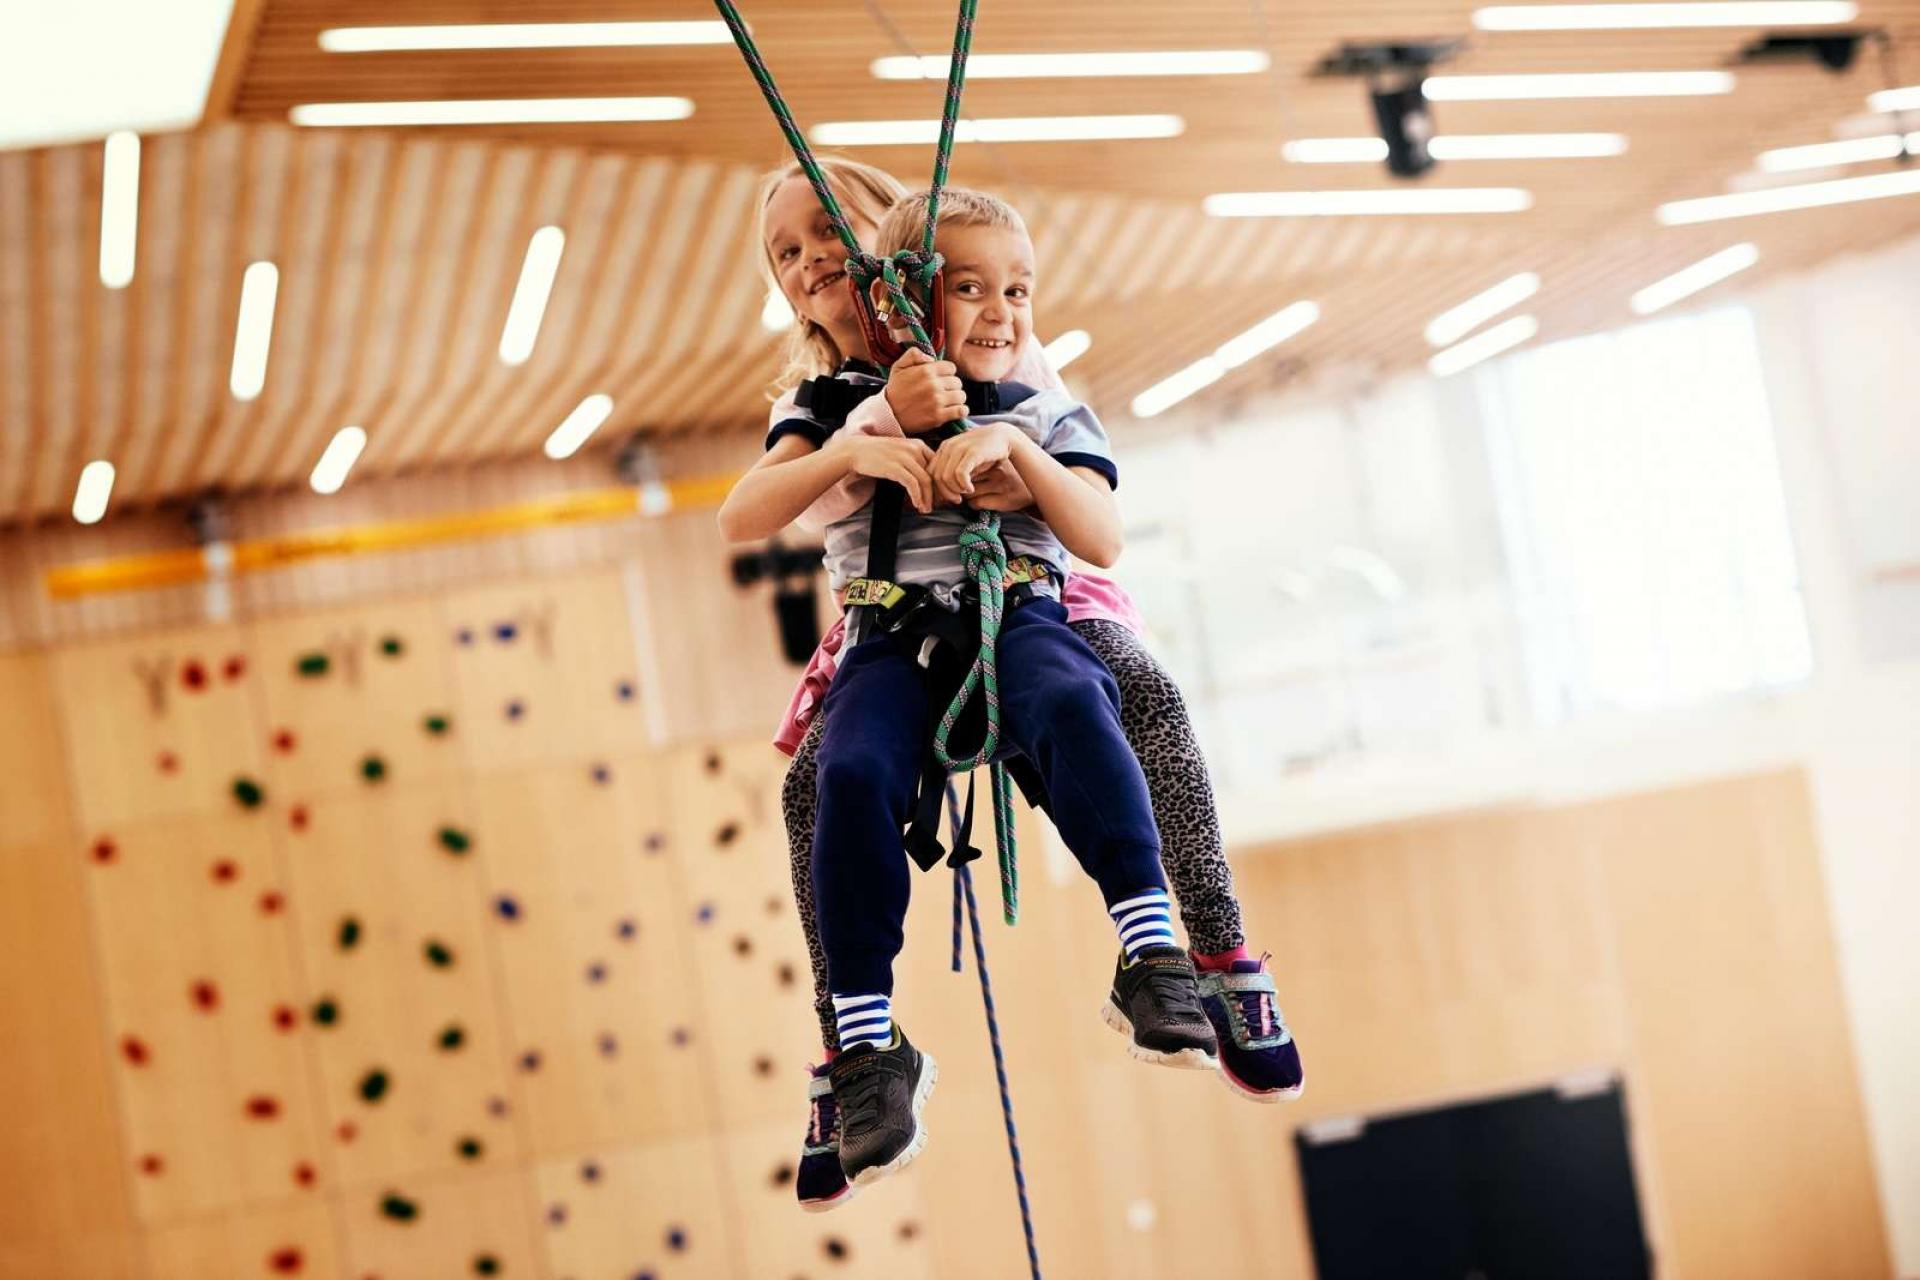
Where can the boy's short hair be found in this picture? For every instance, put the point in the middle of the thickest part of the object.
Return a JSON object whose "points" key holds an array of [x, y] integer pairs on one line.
{"points": [[904, 227]]}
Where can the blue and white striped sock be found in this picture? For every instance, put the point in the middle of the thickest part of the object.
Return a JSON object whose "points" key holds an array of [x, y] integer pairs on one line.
{"points": [[863, 1020], [1144, 920]]}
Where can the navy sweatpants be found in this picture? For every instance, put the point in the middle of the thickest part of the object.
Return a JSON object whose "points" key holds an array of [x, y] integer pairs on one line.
{"points": [[1059, 707]]}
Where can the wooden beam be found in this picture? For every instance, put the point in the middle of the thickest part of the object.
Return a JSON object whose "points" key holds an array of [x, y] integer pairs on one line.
{"points": [[236, 52]]}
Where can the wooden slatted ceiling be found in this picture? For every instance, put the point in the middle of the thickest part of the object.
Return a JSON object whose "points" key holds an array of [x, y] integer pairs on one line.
{"points": [[398, 251]]}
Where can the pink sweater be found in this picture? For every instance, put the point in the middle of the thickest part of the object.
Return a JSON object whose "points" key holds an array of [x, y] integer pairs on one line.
{"points": [[1086, 595]]}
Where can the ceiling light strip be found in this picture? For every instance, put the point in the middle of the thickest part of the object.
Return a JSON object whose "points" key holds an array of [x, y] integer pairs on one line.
{"points": [[1623, 17], [119, 209], [491, 111], [1457, 322], [1583, 84], [1503, 337], [881, 133], [1385, 202], [1060, 66], [1806, 195], [1820, 155], [578, 425], [522, 35], [337, 460], [530, 295], [1688, 281], [91, 494], [1231, 354], [253, 333]]}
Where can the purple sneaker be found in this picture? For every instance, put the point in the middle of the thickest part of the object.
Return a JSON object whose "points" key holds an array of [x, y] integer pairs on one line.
{"points": [[1258, 1057], [821, 1184]]}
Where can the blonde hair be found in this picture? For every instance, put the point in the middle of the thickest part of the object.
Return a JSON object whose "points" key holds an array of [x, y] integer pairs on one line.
{"points": [[905, 225], [864, 192]]}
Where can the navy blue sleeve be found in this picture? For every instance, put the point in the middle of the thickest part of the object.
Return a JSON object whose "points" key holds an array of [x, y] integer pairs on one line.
{"points": [[804, 427]]}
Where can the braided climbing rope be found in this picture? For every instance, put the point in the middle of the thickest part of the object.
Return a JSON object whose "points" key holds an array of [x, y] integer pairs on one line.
{"points": [[982, 550]]}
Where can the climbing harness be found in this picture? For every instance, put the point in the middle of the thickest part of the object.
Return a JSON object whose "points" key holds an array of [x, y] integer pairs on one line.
{"points": [[982, 550]]}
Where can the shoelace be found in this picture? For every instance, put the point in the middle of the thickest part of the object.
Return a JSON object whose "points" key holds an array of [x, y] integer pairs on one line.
{"points": [[1174, 993], [823, 1121], [862, 1092], [1259, 1011]]}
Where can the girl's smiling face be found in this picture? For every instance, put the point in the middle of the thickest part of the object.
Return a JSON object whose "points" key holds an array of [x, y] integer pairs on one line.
{"points": [[989, 293], [810, 262]]}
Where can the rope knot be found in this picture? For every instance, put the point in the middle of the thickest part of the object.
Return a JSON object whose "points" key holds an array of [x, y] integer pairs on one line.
{"points": [[982, 551]]}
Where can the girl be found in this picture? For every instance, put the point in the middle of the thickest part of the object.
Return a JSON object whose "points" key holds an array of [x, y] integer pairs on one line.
{"points": [[804, 260]]}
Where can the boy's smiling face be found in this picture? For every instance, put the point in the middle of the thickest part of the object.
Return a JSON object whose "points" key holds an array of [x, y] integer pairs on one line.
{"points": [[989, 287]]}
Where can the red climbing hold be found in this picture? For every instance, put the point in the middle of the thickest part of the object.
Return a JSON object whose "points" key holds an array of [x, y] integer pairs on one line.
{"points": [[134, 1049], [298, 817], [168, 762], [103, 850], [284, 742], [286, 1261], [235, 667], [263, 1107], [206, 995], [193, 675], [347, 1131], [271, 902], [152, 1165], [285, 1018], [224, 871], [304, 1175]]}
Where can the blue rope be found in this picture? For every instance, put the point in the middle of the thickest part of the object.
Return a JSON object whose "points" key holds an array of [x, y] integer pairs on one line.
{"points": [[963, 887]]}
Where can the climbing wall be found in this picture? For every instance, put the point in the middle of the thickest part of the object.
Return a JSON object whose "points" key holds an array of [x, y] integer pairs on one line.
{"points": [[419, 958]]}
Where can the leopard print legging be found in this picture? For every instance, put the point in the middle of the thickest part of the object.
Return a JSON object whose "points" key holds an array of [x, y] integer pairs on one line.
{"points": [[1154, 716]]}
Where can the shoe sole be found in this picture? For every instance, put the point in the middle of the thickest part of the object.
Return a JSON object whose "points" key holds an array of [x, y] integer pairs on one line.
{"points": [[921, 1092], [1251, 1094], [829, 1203], [1194, 1059]]}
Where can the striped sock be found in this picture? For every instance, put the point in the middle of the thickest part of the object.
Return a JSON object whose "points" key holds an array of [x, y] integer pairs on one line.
{"points": [[1144, 920], [864, 1020]]}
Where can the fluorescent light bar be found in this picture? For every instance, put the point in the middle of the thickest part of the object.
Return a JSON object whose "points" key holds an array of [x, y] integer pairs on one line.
{"points": [[777, 314], [119, 213], [530, 295], [1067, 348], [1889, 100], [1806, 195], [1585, 84], [1266, 335], [1231, 354], [581, 423], [1820, 155], [523, 35], [1020, 66], [253, 335], [1385, 201], [1166, 393], [491, 111], [882, 133], [1502, 337], [1527, 146], [1463, 146], [1335, 150], [341, 453], [1618, 17], [90, 496], [1456, 323], [1688, 281]]}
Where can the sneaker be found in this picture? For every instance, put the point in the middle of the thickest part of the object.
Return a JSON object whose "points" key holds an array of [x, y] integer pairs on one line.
{"points": [[821, 1184], [1156, 1005], [1258, 1057], [881, 1093]]}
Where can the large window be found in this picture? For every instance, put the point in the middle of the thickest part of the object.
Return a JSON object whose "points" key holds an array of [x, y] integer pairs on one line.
{"points": [[1642, 516]]}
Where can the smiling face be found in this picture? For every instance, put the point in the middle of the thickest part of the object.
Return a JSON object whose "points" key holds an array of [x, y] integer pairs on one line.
{"points": [[809, 261], [989, 293]]}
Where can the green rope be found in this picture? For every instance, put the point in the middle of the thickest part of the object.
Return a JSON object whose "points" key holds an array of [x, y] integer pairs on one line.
{"points": [[982, 550]]}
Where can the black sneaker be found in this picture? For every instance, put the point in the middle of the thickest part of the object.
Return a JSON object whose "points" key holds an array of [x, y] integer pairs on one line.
{"points": [[820, 1183], [881, 1093], [1155, 1003]]}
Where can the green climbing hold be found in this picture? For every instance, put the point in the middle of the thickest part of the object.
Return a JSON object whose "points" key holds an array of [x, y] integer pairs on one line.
{"points": [[454, 840], [326, 1012], [349, 933], [399, 1208], [469, 1148], [438, 955], [373, 769], [392, 646], [248, 793], [373, 1086], [313, 664], [486, 1265], [437, 725], [453, 1037]]}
